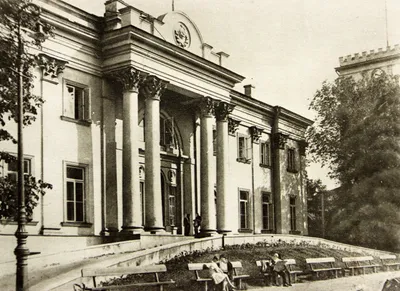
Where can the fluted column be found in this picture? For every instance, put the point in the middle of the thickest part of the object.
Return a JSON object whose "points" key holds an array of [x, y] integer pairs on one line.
{"points": [[130, 79], [208, 223], [152, 89], [222, 112]]}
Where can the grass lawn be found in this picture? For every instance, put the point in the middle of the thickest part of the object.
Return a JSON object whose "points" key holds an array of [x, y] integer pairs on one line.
{"points": [[248, 254]]}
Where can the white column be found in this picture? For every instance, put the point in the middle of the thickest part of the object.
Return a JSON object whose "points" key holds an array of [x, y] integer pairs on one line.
{"points": [[129, 78], [222, 111], [208, 223], [152, 89]]}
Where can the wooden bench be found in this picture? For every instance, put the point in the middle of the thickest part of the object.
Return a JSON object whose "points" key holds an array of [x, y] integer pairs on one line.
{"points": [[359, 263], [290, 263], [204, 277], [237, 276], [200, 275], [121, 271], [318, 265], [390, 261]]}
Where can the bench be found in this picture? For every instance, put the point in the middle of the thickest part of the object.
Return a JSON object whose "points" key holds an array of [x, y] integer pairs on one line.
{"points": [[121, 271], [236, 276], [204, 277], [389, 261], [266, 271], [199, 275], [359, 263], [318, 265]]}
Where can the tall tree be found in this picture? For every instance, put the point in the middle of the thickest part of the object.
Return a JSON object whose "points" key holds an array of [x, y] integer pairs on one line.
{"points": [[18, 44], [357, 135]]}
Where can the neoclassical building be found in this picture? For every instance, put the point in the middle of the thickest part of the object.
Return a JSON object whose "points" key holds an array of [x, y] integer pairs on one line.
{"points": [[141, 126]]}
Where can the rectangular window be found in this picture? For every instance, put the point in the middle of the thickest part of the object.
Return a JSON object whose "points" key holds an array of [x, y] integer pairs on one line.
{"points": [[244, 148], [267, 211], [291, 160], [293, 213], [167, 133], [214, 142], [76, 102], [75, 194], [172, 205], [243, 208], [141, 189], [265, 154], [10, 170]]}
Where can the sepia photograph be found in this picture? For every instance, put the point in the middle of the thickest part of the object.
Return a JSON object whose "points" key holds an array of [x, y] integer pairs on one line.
{"points": [[211, 145]]}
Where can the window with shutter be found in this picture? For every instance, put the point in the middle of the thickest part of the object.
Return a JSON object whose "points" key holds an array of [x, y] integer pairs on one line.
{"points": [[76, 102], [265, 154]]}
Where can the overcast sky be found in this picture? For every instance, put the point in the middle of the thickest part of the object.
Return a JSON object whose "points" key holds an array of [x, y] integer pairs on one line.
{"points": [[286, 48]]}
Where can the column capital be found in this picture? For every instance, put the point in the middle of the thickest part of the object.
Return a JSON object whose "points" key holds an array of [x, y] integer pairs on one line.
{"points": [[207, 106], [280, 140], [255, 133], [130, 78], [51, 67], [153, 87], [302, 147], [222, 111], [233, 125]]}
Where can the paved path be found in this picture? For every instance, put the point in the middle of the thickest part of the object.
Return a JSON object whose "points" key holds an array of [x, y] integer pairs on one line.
{"points": [[369, 282]]}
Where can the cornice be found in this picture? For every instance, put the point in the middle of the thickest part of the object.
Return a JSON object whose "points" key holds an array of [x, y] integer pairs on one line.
{"points": [[138, 36], [364, 63], [294, 117]]}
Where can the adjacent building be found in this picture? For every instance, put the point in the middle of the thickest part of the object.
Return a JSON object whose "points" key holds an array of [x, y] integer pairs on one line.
{"points": [[372, 62], [141, 126]]}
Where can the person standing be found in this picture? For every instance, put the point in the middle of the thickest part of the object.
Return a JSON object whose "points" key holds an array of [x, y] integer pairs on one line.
{"points": [[186, 224], [196, 224]]}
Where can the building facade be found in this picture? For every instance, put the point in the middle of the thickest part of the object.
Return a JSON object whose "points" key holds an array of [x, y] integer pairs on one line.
{"points": [[141, 126], [359, 64]]}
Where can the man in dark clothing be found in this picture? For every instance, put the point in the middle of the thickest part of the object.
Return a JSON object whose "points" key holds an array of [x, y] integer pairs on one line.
{"points": [[186, 224], [279, 268]]}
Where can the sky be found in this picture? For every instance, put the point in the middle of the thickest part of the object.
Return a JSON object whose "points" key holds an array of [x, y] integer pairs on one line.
{"points": [[285, 48]]}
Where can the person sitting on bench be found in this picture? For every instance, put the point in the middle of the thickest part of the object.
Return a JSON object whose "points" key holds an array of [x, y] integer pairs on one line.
{"points": [[279, 268], [219, 276]]}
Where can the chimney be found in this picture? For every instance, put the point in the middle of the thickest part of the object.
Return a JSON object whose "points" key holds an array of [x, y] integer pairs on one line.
{"points": [[249, 90]]}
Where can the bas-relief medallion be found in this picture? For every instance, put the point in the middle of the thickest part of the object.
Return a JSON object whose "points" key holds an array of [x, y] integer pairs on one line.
{"points": [[181, 35]]}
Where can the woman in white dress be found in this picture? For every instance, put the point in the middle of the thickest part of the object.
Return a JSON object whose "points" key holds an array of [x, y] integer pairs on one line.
{"points": [[219, 276]]}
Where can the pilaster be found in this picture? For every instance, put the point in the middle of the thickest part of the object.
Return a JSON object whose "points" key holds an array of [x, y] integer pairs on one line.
{"points": [[51, 69]]}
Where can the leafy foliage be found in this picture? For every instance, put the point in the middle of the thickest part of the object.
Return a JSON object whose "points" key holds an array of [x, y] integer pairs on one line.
{"points": [[357, 135], [8, 198], [18, 47]]}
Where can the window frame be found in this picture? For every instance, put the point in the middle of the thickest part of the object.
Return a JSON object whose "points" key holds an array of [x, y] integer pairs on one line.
{"points": [[4, 167], [246, 215], [270, 215], [85, 182], [243, 156], [172, 195], [292, 214], [86, 100], [291, 160], [265, 154]]}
